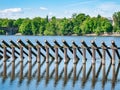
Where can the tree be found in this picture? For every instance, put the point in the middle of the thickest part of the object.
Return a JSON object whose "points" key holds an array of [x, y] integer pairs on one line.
{"points": [[116, 19], [25, 27]]}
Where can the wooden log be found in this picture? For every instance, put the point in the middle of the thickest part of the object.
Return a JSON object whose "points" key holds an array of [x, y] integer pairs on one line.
{"points": [[65, 55], [116, 49], [85, 45], [13, 53], [84, 74], [38, 53], [4, 70], [47, 73], [103, 75], [2, 46], [104, 45], [61, 48], [47, 43], [113, 75], [93, 75], [29, 53], [29, 70], [13, 71], [21, 71], [43, 48], [67, 45], [74, 54], [93, 55], [103, 54], [17, 46], [94, 44], [56, 73], [47, 54], [74, 74], [113, 53], [4, 53], [73, 43], [9, 46], [21, 52], [84, 55], [65, 74], [30, 43], [56, 54], [6, 49], [24, 45]]}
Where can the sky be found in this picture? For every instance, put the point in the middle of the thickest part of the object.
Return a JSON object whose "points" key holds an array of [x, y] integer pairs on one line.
{"points": [[15, 9]]}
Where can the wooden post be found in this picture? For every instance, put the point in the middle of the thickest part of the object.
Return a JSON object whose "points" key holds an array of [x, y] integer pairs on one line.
{"points": [[18, 46], [56, 54], [21, 52], [84, 74], [74, 55], [65, 55], [38, 53], [56, 43], [38, 71], [65, 74], [29, 54], [13, 53], [47, 54], [4, 53], [13, 71], [4, 70], [74, 73], [93, 75], [21, 70], [113, 52], [84, 55], [113, 56], [29, 70], [93, 55], [103, 75], [113, 76], [47, 72], [103, 56], [56, 73], [41, 46]]}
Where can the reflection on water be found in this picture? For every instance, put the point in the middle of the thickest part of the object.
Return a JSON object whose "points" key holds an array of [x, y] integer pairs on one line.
{"points": [[44, 73]]}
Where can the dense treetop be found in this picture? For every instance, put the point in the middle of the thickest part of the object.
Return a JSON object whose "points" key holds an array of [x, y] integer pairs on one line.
{"points": [[78, 24]]}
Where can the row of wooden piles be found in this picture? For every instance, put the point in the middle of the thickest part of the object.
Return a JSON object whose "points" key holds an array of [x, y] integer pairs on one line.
{"points": [[102, 50], [13, 50]]}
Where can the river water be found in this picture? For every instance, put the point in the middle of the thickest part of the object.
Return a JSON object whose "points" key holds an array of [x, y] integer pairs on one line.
{"points": [[52, 76]]}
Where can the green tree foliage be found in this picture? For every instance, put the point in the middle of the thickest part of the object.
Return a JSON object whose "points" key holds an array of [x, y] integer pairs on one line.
{"points": [[78, 24], [51, 27], [116, 18], [25, 27]]}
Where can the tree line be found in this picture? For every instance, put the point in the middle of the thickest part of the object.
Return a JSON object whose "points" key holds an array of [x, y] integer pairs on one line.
{"points": [[78, 24]]}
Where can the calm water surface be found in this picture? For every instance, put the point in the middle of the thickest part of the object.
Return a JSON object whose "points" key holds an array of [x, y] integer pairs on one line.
{"points": [[61, 76]]}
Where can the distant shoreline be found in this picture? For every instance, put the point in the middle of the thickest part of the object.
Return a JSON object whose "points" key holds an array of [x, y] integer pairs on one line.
{"points": [[93, 34], [105, 34]]}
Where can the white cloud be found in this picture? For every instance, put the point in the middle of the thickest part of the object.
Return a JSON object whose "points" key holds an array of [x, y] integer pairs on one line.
{"points": [[11, 10], [43, 8], [10, 13]]}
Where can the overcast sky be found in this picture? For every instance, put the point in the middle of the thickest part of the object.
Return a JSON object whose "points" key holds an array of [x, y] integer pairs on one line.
{"points": [[59, 8]]}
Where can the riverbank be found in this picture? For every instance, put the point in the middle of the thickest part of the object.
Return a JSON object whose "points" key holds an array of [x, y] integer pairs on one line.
{"points": [[105, 34], [93, 34]]}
